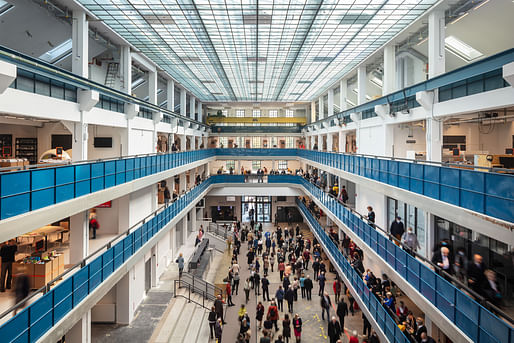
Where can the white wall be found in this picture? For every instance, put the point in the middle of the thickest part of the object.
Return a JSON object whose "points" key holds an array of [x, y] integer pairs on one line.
{"points": [[401, 135], [108, 218], [369, 136], [164, 254], [141, 142], [140, 204], [104, 131], [44, 135], [18, 131], [365, 197]]}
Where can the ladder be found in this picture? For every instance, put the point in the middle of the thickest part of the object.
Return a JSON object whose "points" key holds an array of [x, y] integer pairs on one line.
{"points": [[112, 71]]}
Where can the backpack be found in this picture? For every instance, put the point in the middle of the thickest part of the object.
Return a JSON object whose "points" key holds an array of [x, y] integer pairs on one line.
{"points": [[272, 313]]}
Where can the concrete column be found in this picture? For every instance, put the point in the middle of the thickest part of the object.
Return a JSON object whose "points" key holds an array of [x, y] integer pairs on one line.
{"points": [[313, 141], [183, 105], [192, 216], [330, 102], [200, 113], [361, 85], [193, 142], [79, 236], [79, 63], [152, 87], [126, 69], [79, 139], [434, 138], [388, 81], [342, 141], [436, 36], [388, 140], [170, 95], [343, 94], [183, 140], [313, 112], [330, 142], [124, 296], [182, 183], [192, 102], [320, 142], [321, 108], [81, 331]]}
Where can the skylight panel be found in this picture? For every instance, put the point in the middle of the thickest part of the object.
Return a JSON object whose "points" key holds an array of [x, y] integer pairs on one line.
{"points": [[461, 49], [5, 7]]}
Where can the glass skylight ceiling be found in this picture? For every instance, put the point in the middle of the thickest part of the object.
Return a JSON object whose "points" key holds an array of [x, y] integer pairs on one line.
{"points": [[227, 50]]}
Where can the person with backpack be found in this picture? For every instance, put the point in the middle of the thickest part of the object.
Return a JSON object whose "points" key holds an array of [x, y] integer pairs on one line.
{"points": [[212, 320], [273, 314], [93, 224]]}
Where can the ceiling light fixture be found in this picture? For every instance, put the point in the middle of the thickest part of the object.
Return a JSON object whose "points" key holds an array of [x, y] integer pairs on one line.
{"points": [[482, 4], [459, 18]]}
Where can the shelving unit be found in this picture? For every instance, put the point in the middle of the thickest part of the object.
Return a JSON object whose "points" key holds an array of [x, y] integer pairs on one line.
{"points": [[5, 141], [27, 148]]}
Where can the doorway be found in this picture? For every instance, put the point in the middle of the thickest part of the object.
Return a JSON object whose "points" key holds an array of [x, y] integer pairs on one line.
{"points": [[148, 275], [256, 207]]}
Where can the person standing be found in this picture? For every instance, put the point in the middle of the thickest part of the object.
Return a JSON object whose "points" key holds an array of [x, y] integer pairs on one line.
{"points": [[273, 314], [246, 288], [257, 283], [308, 287], [259, 313], [342, 312], [281, 268], [93, 223], [315, 267], [397, 229], [302, 285], [321, 281], [337, 289], [289, 296], [410, 240], [167, 195], [371, 216], [286, 327], [180, 261], [279, 295], [354, 338], [235, 285], [212, 321], [229, 294], [265, 288], [218, 330], [326, 303], [8, 253], [366, 326], [218, 306], [334, 330], [297, 325]]}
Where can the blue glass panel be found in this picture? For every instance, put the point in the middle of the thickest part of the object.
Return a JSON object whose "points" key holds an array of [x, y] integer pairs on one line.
{"points": [[416, 178], [472, 190], [41, 316], [120, 172], [83, 182], [14, 183], [16, 329]]}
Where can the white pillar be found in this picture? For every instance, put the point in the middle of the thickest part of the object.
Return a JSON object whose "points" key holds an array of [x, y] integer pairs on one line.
{"points": [[321, 108], [330, 142], [170, 95], [343, 94], [79, 139], [126, 69], [313, 111], [434, 139], [182, 183], [192, 102], [79, 236], [330, 102], [193, 142], [79, 63], [388, 139], [152, 87], [388, 81], [183, 105], [342, 141], [361, 85], [200, 113], [313, 141], [183, 140], [81, 331], [436, 36], [320, 142]]}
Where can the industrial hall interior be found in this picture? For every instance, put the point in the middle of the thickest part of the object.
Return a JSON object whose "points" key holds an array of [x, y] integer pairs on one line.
{"points": [[348, 165]]}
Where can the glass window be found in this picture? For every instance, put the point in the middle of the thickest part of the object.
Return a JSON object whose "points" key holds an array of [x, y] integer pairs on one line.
{"points": [[256, 165], [256, 142], [231, 164], [224, 113], [289, 142], [256, 113], [282, 164], [240, 113], [289, 113], [274, 142], [420, 231], [224, 142], [273, 113]]}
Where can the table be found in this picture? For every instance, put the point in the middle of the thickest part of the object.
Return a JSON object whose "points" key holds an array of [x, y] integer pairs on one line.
{"points": [[45, 231]]}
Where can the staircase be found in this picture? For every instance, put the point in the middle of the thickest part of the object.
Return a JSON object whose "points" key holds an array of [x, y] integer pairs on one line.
{"points": [[112, 71], [184, 320]]}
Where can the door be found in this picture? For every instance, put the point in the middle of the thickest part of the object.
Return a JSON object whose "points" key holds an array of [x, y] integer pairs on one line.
{"points": [[148, 275]]}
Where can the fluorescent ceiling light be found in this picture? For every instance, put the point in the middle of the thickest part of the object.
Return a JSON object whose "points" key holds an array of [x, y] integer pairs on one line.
{"points": [[137, 83], [368, 97], [376, 81], [356, 91], [482, 4], [459, 18], [5, 7], [57, 53], [350, 102], [461, 49]]}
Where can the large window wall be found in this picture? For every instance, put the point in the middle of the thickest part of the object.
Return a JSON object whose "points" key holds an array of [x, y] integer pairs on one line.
{"points": [[411, 217]]}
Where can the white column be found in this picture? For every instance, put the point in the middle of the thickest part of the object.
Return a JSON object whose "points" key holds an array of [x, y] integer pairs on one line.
{"points": [[192, 102], [313, 112], [192, 216], [182, 183], [388, 139], [320, 142], [183, 140], [81, 331], [388, 81], [313, 141], [79, 63], [361, 85], [79, 139], [321, 108], [342, 141], [79, 236], [170, 95], [330, 102], [183, 105], [434, 134], [436, 36], [126, 69], [200, 113], [330, 142], [152, 87], [343, 94], [193, 142]]}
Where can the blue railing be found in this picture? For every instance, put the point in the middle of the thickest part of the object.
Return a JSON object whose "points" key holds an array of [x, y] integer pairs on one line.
{"points": [[481, 76], [28, 190], [384, 320], [35, 320], [491, 194], [263, 152], [224, 178], [473, 319]]}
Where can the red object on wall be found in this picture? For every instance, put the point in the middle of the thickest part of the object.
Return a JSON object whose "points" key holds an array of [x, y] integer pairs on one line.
{"points": [[107, 204]]}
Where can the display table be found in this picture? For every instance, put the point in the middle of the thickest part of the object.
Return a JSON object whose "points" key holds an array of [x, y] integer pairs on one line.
{"points": [[44, 232], [40, 273]]}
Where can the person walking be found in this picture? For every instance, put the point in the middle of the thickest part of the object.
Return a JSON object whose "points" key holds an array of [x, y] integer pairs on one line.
{"points": [[279, 295], [257, 283], [218, 330], [321, 281], [259, 314], [297, 325], [289, 296], [302, 285], [93, 224], [229, 294], [308, 287], [286, 328], [212, 320], [180, 261], [342, 311], [265, 288], [218, 306], [247, 288], [337, 289], [8, 253], [273, 314], [281, 268], [235, 284], [366, 326], [326, 303], [410, 240], [397, 229], [334, 330]]}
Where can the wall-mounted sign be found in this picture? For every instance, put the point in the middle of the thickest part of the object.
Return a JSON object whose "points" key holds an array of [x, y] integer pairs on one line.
{"points": [[107, 204]]}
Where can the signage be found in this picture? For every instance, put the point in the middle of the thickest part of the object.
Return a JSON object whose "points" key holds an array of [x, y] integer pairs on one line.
{"points": [[107, 204]]}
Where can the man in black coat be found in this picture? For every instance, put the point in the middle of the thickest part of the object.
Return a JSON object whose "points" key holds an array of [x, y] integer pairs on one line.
{"points": [[443, 260], [334, 330], [342, 311], [289, 296], [476, 276], [308, 287], [397, 228], [218, 306], [265, 290]]}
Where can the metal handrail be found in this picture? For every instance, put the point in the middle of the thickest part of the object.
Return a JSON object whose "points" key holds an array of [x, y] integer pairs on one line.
{"points": [[202, 283], [480, 299], [189, 294], [82, 82]]}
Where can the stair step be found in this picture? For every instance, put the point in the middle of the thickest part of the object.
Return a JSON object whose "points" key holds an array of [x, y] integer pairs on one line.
{"points": [[195, 325], [184, 319], [171, 320], [204, 333]]}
